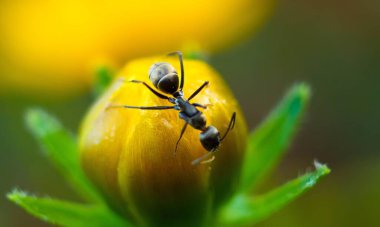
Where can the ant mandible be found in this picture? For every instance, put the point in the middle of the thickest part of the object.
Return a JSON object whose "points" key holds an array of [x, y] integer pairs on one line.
{"points": [[165, 78]]}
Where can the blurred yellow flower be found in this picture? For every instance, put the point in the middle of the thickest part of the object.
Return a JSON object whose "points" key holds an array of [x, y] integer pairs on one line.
{"points": [[129, 153], [51, 47]]}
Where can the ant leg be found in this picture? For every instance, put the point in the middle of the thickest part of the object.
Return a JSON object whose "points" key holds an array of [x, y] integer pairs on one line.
{"points": [[151, 89], [200, 105], [198, 90], [142, 107], [179, 53], [180, 136], [201, 160], [230, 126]]}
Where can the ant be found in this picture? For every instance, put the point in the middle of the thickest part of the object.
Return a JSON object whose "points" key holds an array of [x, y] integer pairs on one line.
{"points": [[165, 78]]}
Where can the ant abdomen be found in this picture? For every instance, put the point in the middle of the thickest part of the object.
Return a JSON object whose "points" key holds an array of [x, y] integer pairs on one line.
{"points": [[164, 77], [210, 138]]}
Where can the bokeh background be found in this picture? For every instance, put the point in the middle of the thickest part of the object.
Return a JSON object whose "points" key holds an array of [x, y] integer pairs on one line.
{"points": [[333, 45]]}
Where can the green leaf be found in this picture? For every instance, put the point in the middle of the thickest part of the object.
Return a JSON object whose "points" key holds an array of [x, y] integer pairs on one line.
{"points": [[65, 213], [61, 147], [245, 209], [103, 79], [269, 141]]}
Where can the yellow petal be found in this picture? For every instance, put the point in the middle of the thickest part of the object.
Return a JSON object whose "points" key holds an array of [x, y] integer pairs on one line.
{"points": [[51, 47], [129, 153]]}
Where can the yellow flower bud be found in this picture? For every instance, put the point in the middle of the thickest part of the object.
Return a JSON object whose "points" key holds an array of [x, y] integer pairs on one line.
{"points": [[129, 153], [51, 47]]}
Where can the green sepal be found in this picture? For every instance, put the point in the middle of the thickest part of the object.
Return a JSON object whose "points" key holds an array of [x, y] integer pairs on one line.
{"points": [[267, 143], [196, 55], [61, 147], [103, 78], [245, 209], [65, 213]]}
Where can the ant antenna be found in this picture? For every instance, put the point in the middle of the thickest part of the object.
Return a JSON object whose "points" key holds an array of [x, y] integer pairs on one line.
{"points": [[179, 53], [230, 126]]}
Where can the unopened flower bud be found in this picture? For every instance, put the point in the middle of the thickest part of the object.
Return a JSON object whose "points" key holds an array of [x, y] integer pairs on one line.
{"points": [[129, 154]]}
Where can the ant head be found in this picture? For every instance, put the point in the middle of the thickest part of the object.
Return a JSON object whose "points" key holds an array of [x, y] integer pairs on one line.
{"points": [[164, 77], [210, 138]]}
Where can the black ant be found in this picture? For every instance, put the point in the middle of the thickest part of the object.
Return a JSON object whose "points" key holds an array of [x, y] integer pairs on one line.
{"points": [[165, 78]]}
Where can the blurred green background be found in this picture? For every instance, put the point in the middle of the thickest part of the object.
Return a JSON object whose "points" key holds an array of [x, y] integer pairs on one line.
{"points": [[333, 45]]}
